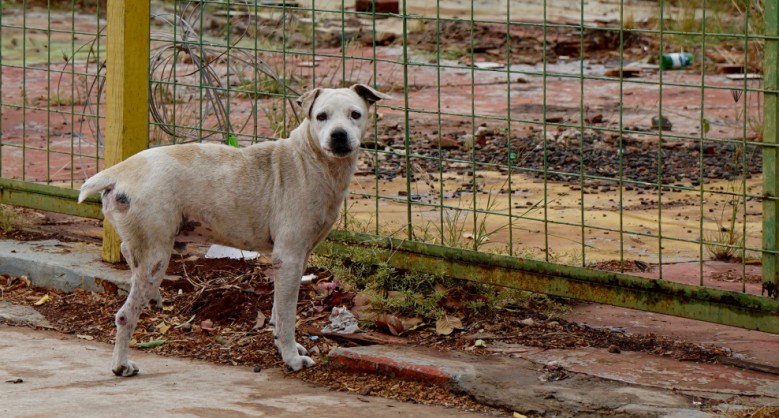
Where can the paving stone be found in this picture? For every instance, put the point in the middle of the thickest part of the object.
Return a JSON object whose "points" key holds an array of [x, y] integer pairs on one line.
{"points": [[22, 315]]}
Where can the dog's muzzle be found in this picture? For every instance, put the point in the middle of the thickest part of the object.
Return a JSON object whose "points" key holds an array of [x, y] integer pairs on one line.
{"points": [[339, 143]]}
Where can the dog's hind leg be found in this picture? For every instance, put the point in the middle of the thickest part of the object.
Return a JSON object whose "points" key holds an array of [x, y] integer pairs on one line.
{"points": [[156, 297], [289, 268], [148, 266]]}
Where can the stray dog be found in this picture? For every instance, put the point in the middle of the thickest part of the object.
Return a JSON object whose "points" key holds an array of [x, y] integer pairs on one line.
{"points": [[279, 196]]}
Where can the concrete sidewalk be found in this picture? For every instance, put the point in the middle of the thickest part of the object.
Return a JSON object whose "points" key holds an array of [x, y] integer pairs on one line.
{"points": [[64, 376]]}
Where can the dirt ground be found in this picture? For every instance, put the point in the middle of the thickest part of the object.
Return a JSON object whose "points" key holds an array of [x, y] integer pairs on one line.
{"points": [[217, 311]]}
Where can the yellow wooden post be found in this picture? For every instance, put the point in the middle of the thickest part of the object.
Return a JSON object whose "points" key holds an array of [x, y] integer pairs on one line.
{"points": [[127, 92]]}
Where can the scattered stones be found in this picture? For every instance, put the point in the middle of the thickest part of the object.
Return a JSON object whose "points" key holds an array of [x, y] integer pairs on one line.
{"points": [[598, 118], [666, 124], [381, 6], [447, 143]]}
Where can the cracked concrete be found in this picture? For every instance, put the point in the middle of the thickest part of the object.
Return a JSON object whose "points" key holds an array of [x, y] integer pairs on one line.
{"points": [[66, 377]]}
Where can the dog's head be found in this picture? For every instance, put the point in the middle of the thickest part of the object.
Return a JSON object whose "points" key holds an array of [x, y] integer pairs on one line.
{"points": [[338, 117]]}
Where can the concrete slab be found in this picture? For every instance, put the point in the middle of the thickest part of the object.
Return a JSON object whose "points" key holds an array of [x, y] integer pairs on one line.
{"points": [[517, 383], [662, 372], [22, 315], [60, 265], [65, 377], [757, 347]]}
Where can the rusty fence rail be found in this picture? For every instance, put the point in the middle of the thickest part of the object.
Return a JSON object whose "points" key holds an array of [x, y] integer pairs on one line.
{"points": [[621, 152]]}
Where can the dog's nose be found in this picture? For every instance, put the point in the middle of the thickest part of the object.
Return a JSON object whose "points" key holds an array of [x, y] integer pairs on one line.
{"points": [[339, 141]]}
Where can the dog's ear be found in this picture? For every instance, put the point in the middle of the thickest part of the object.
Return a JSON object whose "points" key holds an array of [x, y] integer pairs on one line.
{"points": [[368, 94], [307, 100]]}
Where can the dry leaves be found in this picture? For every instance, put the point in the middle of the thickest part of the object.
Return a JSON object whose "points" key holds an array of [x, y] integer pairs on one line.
{"points": [[447, 324], [390, 322]]}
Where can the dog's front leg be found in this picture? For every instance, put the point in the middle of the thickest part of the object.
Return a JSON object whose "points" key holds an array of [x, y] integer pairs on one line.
{"points": [[289, 267]]}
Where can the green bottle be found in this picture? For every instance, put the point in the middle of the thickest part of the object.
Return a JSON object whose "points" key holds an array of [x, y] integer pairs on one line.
{"points": [[675, 60]]}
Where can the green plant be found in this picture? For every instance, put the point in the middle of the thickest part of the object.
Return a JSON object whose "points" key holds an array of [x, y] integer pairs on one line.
{"points": [[725, 243], [452, 232], [9, 218], [453, 54], [728, 240], [685, 20], [263, 87], [280, 120], [411, 294]]}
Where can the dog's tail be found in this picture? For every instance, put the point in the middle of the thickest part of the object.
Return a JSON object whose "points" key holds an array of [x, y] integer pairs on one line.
{"points": [[97, 183]]}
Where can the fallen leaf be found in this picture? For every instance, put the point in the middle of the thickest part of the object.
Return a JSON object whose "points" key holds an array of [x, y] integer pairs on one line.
{"points": [[85, 337], [152, 343], [163, 327], [361, 300], [480, 343], [260, 323], [26, 280], [189, 322], [107, 286], [338, 298], [188, 259], [390, 322], [42, 300], [447, 324], [364, 313], [518, 415], [207, 324], [415, 322], [411, 324], [220, 340]]}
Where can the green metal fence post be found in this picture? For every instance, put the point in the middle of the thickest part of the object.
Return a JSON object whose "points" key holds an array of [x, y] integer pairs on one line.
{"points": [[771, 139]]}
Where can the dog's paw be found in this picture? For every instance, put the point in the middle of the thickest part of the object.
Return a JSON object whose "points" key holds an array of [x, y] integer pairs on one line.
{"points": [[156, 301], [298, 362], [301, 350], [126, 370]]}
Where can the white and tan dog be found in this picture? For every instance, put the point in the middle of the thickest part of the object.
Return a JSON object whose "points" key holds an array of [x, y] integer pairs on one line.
{"points": [[280, 196]]}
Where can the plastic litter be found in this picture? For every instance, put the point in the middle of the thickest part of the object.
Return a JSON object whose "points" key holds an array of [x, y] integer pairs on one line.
{"points": [[342, 322]]}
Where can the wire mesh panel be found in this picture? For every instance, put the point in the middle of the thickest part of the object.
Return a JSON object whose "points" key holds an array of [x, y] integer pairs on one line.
{"points": [[614, 136], [627, 136], [51, 60]]}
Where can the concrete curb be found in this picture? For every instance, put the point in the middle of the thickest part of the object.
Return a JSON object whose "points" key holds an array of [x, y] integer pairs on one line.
{"points": [[406, 368], [60, 265]]}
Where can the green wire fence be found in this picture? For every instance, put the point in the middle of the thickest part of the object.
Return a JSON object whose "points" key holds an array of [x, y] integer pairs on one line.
{"points": [[618, 152]]}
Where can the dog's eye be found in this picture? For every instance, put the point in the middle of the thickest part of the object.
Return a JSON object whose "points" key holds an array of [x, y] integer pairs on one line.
{"points": [[356, 114], [321, 117]]}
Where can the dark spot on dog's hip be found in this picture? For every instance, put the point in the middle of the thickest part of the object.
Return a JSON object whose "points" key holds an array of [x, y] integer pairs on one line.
{"points": [[187, 225], [179, 246]]}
